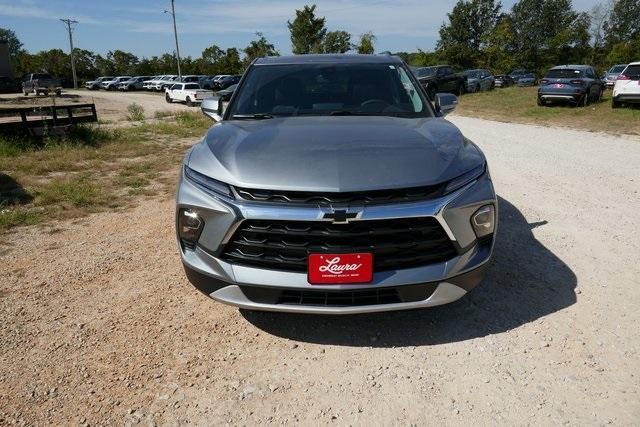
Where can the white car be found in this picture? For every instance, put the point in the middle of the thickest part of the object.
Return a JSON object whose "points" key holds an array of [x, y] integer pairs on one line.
{"points": [[189, 93], [146, 85], [627, 87], [113, 84], [158, 83]]}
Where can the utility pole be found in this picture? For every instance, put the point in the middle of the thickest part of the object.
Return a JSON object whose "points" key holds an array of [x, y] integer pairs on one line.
{"points": [[175, 34], [70, 23]]}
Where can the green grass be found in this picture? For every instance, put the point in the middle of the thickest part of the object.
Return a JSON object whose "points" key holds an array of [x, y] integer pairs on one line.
{"points": [[92, 169], [135, 112], [518, 104]]}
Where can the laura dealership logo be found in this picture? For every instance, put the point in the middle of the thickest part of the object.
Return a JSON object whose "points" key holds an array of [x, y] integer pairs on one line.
{"points": [[333, 266]]}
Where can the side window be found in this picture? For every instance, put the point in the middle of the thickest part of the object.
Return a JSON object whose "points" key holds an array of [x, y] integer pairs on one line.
{"points": [[411, 91]]}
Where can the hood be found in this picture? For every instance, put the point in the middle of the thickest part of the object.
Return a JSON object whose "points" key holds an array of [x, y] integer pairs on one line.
{"points": [[334, 154]]}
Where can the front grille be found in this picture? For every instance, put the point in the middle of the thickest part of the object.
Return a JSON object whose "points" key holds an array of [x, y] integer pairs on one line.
{"points": [[285, 245], [340, 298], [377, 197]]}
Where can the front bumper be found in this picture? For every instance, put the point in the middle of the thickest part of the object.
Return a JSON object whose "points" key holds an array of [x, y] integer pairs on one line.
{"points": [[631, 98], [234, 284]]}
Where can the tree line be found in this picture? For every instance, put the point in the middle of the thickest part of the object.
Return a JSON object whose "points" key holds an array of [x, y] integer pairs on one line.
{"points": [[534, 34]]}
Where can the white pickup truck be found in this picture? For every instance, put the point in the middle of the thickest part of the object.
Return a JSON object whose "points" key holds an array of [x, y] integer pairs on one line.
{"points": [[189, 93]]}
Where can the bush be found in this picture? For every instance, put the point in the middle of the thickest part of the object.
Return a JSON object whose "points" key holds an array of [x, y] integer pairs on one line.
{"points": [[136, 112]]}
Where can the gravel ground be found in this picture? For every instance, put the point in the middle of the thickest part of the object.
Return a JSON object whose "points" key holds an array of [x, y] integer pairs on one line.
{"points": [[98, 324]]}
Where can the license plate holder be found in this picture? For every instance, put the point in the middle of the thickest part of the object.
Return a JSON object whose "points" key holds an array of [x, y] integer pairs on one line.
{"points": [[339, 268]]}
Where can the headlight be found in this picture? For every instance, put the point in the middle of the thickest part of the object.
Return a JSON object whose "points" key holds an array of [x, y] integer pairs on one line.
{"points": [[207, 183], [464, 179]]}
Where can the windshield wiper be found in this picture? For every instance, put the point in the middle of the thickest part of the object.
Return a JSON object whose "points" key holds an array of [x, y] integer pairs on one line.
{"points": [[257, 116]]}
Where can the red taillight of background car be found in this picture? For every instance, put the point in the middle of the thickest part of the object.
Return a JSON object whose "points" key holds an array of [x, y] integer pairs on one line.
{"points": [[577, 82], [623, 77], [544, 81]]}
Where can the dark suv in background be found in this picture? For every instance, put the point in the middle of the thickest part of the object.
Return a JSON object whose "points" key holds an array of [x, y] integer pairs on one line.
{"points": [[576, 84], [440, 78]]}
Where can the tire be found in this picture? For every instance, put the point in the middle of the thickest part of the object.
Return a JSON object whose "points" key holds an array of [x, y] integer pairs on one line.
{"points": [[541, 103], [585, 100], [615, 104], [58, 92], [25, 93], [168, 98], [188, 102], [460, 90]]}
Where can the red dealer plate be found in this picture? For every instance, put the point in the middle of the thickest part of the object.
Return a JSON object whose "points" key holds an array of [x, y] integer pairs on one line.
{"points": [[559, 85], [340, 268]]}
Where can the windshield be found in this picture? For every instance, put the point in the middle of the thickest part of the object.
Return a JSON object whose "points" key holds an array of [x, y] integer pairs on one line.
{"points": [[472, 73], [617, 69], [424, 72], [565, 73], [329, 89]]}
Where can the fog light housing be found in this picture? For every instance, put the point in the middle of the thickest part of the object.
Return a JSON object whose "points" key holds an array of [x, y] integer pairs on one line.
{"points": [[190, 225], [483, 221]]}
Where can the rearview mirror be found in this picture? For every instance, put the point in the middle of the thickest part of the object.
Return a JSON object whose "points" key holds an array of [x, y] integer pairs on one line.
{"points": [[446, 103], [212, 107]]}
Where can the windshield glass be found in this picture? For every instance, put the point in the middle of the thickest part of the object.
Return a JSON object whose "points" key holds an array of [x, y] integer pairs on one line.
{"points": [[565, 73], [617, 69], [472, 73], [424, 72], [329, 89]]}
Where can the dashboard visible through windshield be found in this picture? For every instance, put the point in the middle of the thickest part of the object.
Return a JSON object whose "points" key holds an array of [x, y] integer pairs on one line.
{"points": [[328, 89]]}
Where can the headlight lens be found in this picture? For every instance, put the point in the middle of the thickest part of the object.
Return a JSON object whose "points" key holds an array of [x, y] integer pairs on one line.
{"points": [[483, 221], [464, 179], [207, 183]]}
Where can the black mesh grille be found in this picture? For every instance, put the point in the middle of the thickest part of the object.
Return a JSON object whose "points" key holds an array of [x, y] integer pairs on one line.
{"points": [[285, 245], [376, 197]]}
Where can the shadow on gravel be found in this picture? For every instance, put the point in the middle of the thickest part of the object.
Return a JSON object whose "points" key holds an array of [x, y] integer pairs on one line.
{"points": [[11, 192], [524, 282]]}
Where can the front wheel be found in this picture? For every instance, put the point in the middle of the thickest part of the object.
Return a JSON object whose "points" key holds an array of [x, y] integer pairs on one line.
{"points": [[168, 98]]}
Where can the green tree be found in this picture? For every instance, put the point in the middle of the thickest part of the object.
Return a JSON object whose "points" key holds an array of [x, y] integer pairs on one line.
{"points": [[307, 31], [467, 33], [366, 44], [124, 63], [548, 32], [623, 24], [230, 62], [336, 42], [499, 52], [258, 48], [14, 44]]}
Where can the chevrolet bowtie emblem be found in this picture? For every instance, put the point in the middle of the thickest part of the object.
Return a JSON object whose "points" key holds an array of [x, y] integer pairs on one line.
{"points": [[340, 216]]}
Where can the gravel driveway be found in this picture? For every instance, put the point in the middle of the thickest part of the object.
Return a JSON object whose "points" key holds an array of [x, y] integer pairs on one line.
{"points": [[98, 324]]}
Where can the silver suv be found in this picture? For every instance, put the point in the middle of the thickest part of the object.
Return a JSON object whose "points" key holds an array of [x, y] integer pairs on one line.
{"points": [[330, 184]]}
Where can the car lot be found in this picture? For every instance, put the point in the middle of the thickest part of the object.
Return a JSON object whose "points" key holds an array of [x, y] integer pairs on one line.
{"points": [[116, 333]]}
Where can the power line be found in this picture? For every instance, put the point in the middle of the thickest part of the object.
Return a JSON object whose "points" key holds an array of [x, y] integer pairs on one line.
{"points": [[70, 27]]}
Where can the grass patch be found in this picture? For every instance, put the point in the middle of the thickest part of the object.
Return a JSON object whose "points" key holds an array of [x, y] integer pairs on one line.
{"points": [[135, 112], [14, 216], [518, 104], [163, 114]]}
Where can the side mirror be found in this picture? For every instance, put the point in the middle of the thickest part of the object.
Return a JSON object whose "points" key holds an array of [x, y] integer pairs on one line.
{"points": [[446, 103], [212, 107]]}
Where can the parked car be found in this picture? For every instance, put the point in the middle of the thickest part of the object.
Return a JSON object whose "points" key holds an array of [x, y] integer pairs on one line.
{"points": [[134, 83], [113, 84], [280, 207], [226, 94], [226, 81], [167, 82], [627, 87], [156, 84], [503, 80], [478, 80], [440, 78], [8, 85], [95, 84], [189, 93], [612, 74], [41, 83], [528, 79], [146, 85], [516, 74], [577, 84]]}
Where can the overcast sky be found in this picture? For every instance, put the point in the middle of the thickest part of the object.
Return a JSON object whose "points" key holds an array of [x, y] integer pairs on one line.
{"points": [[141, 27]]}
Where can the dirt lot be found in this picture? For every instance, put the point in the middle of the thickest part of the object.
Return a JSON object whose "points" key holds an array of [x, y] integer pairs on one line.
{"points": [[111, 106], [99, 326]]}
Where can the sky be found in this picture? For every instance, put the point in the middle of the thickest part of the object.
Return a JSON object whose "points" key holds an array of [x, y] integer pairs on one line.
{"points": [[142, 27]]}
